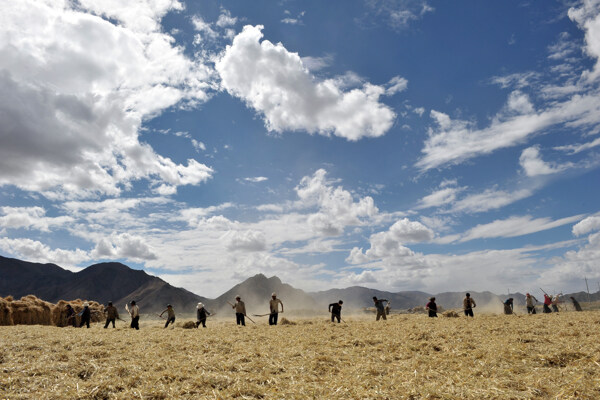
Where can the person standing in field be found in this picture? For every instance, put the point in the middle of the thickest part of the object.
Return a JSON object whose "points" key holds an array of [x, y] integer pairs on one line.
{"points": [[431, 308], [240, 311], [576, 304], [336, 311], [71, 320], [274, 307], [547, 304], [170, 315], [555, 301], [530, 302], [201, 315], [85, 315], [380, 308], [111, 314], [468, 305], [509, 306], [134, 311]]}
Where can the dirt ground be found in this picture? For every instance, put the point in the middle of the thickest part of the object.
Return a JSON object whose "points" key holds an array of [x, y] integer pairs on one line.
{"points": [[406, 357]]}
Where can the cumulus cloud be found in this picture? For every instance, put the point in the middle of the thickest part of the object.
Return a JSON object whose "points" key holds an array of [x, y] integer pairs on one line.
{"points": [[245, 240], [275, 83], [586, 225], [123, 245], [533, 165], [390, 243], [336, 206], [76, 82], [30, 218], [36, 251]]}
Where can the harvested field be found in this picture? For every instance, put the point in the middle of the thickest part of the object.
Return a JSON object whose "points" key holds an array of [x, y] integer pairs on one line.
{"points": [[407, 357]]}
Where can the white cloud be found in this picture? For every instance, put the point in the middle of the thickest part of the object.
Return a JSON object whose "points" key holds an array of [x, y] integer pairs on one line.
{"points": [[30, 218], [445, 195], [389, 244], [300, 101], [123, 245], [533, 165], [586, 225], [316, 63], [75, 88], [454, 141], [514, 226], [225, 19], [398, 14], [578, 148], [395, 85], [256, 179], [245, 240], [489, 199], [35, 251]]}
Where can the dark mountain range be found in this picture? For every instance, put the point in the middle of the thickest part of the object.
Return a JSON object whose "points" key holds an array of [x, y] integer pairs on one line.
{"points": [[120, 284], [102, 282]]}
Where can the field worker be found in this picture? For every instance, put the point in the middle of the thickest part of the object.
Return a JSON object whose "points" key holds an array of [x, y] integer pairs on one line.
{"points": [[85, 315], [336, 311], [508, 306], [547, 304], [201, 315], [170, 315], [468, 305], [71, 320], [240, 311], [555, 301], [380, 308], [530, 302], [576, 304], [111, 314], [431, 308], [134, 311], [274, 307]]}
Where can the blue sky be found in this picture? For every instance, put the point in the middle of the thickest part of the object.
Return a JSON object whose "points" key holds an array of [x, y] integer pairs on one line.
{"points": [[399, 145]]}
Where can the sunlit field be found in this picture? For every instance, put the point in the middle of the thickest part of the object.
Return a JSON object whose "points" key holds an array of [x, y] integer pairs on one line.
{"points": [[405, 357]]}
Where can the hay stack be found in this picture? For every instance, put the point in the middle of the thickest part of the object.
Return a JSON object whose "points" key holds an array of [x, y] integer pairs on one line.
{"points": [[31, 311], [285, 321], [5, 311], [59, 311], [189, 325], [451, 314]]}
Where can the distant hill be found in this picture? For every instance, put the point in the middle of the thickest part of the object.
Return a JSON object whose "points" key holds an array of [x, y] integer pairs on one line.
{"points": [[256, 293], [120, 284], [102, 282]]}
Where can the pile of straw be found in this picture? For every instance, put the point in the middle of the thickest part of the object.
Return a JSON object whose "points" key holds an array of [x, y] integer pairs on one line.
{"points": [[30, 310], [189, 325], [59, 312], [451, 314], [5, 311]]}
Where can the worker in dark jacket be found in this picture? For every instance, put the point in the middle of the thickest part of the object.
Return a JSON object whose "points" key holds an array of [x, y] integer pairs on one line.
{"points": [[508, 306], [71, 317], [111, 314], [380, 308], [431, 308], [576, 304], [201, 315], [336, 311], [85, 315]]}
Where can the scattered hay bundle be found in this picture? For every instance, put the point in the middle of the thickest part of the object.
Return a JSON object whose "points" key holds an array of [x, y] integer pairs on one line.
{"points": [[285, 321], [5, 311], [31, 311], [451, 314], [189, 325], [59, 311]]}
